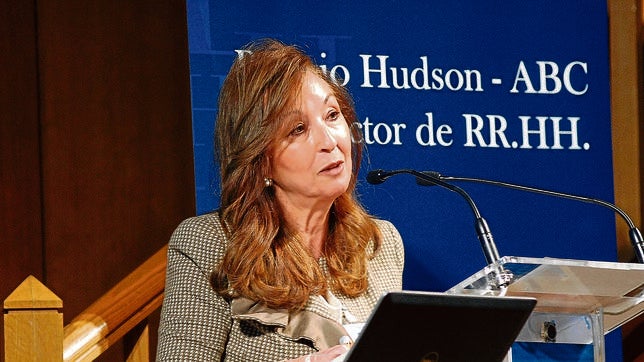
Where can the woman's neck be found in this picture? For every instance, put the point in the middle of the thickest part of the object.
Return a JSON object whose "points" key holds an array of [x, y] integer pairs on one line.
{"points": [[311, 224]]}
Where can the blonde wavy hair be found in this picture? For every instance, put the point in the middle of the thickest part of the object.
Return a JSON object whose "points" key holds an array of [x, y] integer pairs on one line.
{"points": [[265, 259]]}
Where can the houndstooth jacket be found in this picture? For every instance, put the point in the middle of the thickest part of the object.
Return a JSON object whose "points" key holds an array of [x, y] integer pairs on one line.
{"points": [[199, 325]]}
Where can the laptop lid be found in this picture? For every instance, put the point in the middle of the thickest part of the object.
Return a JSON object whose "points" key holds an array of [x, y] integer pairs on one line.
{"points": [[437, 327]]}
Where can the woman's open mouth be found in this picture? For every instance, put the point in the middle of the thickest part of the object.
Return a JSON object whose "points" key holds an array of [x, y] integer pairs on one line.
{"points": [[333, 168]]}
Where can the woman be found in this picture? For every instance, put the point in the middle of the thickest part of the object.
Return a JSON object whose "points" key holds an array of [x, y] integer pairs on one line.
{"points": [[290, 263]]}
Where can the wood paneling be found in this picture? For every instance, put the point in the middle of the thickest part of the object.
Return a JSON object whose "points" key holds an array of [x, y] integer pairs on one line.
{"points": [[116, 139], [95, 139], [20, 206], [625, 19], [626, 97]]}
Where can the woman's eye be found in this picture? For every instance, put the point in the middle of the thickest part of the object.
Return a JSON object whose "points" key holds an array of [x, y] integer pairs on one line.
{"points": [[299, 129], [333, 115]]}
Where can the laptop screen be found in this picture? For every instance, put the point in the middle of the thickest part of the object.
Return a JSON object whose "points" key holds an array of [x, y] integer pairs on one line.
{"points": [[437, 327]]}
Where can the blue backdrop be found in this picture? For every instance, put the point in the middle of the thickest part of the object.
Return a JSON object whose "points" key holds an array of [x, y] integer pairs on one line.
{"points": [[516, 91]]}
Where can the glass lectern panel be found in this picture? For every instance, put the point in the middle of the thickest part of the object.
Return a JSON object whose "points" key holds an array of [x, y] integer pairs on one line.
{"points": [[578, 301]]}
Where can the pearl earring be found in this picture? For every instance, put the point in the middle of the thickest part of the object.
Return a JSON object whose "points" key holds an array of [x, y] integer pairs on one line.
{"points": [[268, 182]]}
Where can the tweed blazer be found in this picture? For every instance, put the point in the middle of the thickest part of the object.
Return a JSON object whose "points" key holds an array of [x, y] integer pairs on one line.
{"points": [[199, 325]]}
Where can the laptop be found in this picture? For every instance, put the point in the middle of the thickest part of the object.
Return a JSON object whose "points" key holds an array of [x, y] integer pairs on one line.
{"points": [[413, 326]]}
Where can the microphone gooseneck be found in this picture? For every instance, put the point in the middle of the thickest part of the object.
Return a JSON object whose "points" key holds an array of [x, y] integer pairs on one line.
{"points": [[634, 233], [482, 229]]}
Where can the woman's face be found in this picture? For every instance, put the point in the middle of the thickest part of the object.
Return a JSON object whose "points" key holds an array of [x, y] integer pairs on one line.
{"points": [[311, 160]]}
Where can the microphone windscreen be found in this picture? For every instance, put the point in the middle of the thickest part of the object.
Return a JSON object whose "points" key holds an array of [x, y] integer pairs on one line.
{"points": [[375, 177]]}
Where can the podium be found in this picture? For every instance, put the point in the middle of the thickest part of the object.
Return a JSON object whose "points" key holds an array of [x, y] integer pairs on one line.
{"points": [[578, 302]]}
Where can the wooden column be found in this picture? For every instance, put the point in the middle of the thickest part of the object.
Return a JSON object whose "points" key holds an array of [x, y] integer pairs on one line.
{"points": [[626, 18], [33, 323], [626, 100]]}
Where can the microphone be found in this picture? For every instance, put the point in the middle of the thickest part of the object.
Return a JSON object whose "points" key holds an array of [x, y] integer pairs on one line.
{"points": [[634, 233], [377, 177], [482, 229]]}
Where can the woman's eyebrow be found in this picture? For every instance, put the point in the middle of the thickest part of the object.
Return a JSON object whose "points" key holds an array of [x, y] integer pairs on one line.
{"points": [[291, 112]]}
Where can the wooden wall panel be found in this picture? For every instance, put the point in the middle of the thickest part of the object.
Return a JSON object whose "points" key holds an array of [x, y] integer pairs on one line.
{"points": [[95, 141], [626, 97], [625, 19], [116, 139], [20, 206]]}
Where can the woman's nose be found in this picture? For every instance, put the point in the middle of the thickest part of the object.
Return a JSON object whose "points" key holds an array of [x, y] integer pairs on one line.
{"points": [[325, 137]]}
